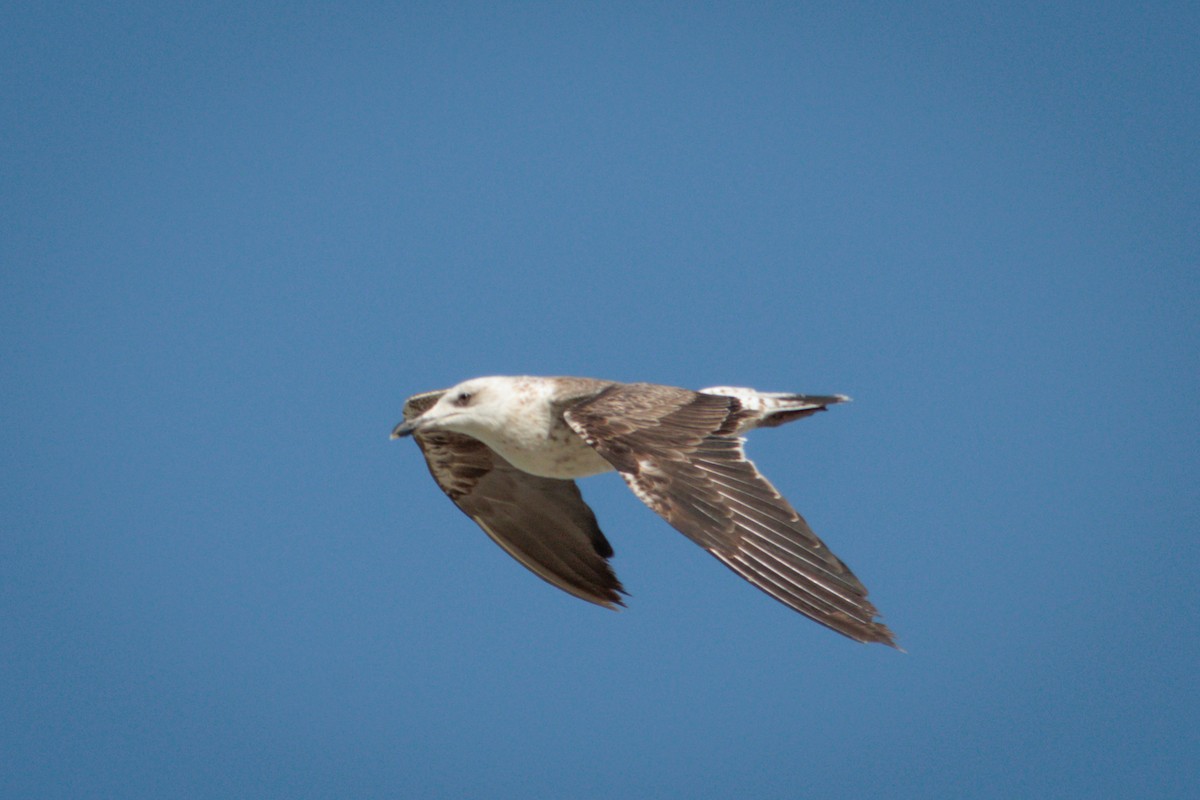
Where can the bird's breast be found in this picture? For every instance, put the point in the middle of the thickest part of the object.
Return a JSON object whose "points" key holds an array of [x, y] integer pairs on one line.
{"points": [[558, 453]]}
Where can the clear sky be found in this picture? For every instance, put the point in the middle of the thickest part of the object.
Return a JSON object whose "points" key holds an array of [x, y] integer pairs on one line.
{"points": [[234, 237]]}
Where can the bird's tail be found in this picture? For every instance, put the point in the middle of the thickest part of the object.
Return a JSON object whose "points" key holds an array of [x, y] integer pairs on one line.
{"points": [[775, 408], [781, 408]]}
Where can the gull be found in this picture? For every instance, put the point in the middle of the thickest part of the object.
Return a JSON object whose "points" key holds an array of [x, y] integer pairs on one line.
{"points": [[507, 451]]}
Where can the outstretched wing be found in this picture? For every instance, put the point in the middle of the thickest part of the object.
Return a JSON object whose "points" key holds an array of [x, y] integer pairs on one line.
{"points": [[679, 452], [541, 522]]}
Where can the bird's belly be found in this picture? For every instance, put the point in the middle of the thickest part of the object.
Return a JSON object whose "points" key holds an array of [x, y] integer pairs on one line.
{"points": [[555, 459]]}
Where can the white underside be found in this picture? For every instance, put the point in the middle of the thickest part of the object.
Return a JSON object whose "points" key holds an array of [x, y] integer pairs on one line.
{"points": [[565, 463], [563, 457]]}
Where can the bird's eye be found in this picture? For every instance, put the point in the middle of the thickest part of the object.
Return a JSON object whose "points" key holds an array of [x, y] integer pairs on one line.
{"points": [[462, 399]]}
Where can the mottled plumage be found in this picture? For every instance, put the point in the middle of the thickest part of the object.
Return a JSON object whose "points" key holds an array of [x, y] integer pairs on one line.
{"points": [[506, 451]]}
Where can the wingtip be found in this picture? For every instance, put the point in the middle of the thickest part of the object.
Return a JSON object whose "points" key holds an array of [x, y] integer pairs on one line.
{"points": [[881, 634], [612, 601], [890, 642], [617, 598]]}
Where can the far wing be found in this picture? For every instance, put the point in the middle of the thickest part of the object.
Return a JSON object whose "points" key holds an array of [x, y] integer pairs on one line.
{"points": [[541, 522], [678, 451]]}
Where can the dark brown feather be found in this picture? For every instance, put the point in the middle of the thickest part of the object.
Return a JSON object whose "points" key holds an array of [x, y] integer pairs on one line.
{"points": [[541, 522], [676, 450]]}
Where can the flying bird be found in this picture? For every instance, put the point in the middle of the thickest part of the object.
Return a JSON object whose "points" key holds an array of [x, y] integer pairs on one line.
{"points": [[507, 451]]}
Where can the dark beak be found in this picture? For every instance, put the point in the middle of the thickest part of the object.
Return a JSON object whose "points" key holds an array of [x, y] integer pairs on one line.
{"points": [[405, 428]]}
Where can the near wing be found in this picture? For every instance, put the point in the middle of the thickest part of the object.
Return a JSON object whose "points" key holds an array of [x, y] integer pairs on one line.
{"points": [[678, 452], [541, 522]]}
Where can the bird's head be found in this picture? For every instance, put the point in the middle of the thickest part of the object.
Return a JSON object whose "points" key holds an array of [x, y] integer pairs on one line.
{"points": [[476, 406]]}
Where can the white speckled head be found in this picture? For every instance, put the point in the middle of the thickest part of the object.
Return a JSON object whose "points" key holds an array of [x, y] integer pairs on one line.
{"points": [[476, 407]]}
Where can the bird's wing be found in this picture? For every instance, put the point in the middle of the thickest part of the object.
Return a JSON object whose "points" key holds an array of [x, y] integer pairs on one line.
{"points": [[541, 522], [678, 451]]}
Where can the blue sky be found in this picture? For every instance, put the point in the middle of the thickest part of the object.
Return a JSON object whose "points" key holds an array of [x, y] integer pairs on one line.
{"points": [[235, 238]]}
